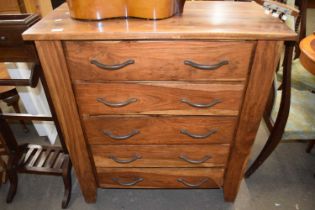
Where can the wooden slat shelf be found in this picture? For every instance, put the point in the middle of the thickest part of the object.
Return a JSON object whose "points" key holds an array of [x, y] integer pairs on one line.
{"points": [[42, 159]]}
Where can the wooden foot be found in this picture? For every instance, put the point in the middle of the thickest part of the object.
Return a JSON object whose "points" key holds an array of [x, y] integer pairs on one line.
{"points": [[310, 146], [12, 175], [66, 176], [283, 113]]}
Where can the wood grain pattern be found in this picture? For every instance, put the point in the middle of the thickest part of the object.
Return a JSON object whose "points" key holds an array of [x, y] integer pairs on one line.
{"points": [[160, 177], [160, 155], [101, 9], [206, 30], [59, 85], [307, 56], [159, 130], [256, 96], [153, 60], [158, 98], [9, 6], [200, 20]]}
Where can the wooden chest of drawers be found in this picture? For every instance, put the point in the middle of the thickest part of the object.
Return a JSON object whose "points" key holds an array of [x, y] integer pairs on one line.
{"points": [[167, 105], [174, 103]]}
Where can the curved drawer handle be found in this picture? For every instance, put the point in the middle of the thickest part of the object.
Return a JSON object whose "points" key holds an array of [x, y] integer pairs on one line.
{"points": [[204, 159], [134, 158], [111, 67], [116, 104], [206, 67], [122, 137], [192, 185], [198, 136], [136, 181], [212, 103]]}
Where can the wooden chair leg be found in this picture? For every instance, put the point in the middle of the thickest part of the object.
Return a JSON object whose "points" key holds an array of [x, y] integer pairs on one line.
{"points": [[270, 103], [281, 120], [66, 176], [4, 173], [310, 146], [13, 179], [301, 25]]}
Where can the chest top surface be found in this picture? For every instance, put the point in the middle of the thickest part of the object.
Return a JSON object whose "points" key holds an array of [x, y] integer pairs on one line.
{"points": [[200, 20]]}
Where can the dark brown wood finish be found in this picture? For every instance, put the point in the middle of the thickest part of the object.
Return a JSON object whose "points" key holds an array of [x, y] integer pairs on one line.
{"points": [[310, 146], [159, 98], [34, 159], [259, 84], [160, 177], [159, 130], [12, 46], [16, 50], [153, 60], [160, 155]]}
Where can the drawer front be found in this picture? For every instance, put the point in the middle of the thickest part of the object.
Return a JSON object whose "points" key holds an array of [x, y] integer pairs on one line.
{"points": [[159, 130], [160, 177], [176, 98], [160, 155], [164, 60]]}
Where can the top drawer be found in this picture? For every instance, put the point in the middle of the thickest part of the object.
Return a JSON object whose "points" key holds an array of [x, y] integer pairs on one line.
{"points": [[158, 60]]}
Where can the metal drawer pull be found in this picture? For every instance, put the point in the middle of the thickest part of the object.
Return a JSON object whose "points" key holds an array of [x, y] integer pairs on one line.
{"points": [[212, 103], [192, 185], [111, 67], [122, 137], [134, 158], [206, 67], [198, 136], [116, 104], [2, 38], [136, 181], [185, 158]]}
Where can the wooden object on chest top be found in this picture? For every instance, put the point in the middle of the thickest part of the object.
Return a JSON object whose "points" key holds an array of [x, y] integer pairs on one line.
{"points": [[174, 103]]}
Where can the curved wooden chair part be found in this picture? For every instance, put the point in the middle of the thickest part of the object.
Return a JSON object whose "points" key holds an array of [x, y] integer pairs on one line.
{"points": [[281, 120], [301, 119], [280, 129]]}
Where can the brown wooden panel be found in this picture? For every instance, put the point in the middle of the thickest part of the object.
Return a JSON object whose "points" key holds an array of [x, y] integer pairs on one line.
{"points": [[59, 85], [158, 130], [11, 35], [256, 96], [9, 6], [159, 60], [160, 177], [160, 155], [22, 53], [159, 98]]}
